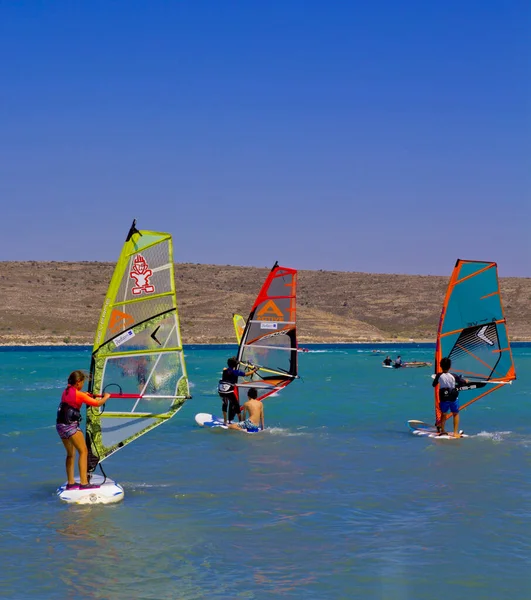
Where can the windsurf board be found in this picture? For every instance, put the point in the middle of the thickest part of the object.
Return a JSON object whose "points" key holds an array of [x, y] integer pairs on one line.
{"points": [[208, 420], [423, 429], [107, 492]]}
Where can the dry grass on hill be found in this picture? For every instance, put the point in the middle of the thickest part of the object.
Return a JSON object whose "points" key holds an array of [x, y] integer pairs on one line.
{"points": [[56, 302]]}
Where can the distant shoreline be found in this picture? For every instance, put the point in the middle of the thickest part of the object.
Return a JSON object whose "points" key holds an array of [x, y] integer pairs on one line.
{"points": [[378, 345], [234, 344]]}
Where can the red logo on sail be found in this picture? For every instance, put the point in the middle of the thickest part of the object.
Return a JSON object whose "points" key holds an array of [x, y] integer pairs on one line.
{"points": [[141, 274]]}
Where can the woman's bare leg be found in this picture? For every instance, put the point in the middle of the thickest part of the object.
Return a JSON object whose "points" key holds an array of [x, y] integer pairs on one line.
{"points": [[70, 457], [78, 440]]}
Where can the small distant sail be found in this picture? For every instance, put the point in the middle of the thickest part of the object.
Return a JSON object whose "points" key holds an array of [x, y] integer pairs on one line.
{"points": [[269, 340], [239, 326], [473, 333], [137, 355]]}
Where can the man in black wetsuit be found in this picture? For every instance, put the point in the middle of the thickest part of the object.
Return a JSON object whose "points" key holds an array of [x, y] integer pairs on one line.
{"points": [[387, 361], [228, 390]]}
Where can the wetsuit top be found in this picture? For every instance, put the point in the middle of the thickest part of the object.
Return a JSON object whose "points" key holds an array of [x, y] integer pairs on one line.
{"points": [[228, 381], [231, 375], [387, 361], [448, 381], [76, 399], [71, 401]]}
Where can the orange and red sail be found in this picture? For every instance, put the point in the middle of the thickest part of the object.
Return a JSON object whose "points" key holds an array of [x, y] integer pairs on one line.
{"points": [[269, 340]]}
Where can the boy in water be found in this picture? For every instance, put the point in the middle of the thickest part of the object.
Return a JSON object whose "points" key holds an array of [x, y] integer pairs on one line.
{"points": [[228, 391], [387, 361], [255, 421], [448, 395]]}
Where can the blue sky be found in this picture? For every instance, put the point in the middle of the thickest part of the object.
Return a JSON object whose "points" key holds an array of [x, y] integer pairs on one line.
{"points": [[385, 136]]}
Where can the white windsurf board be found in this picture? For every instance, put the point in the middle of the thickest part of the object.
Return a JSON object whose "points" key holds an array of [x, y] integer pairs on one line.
{"points": [[107, 492], [208, 420], [423, 429]]}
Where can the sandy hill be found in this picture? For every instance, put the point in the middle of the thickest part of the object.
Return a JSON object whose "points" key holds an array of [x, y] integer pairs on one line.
{"points": [[57, 302]]}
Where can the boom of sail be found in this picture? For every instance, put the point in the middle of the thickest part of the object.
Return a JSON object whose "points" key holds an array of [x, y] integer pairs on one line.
{"points": [[269, 340], [137, 355], [472, 332]]}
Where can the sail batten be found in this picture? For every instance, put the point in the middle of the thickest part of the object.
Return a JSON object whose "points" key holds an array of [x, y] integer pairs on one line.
{"points": [[472, 331], [137, 355]]}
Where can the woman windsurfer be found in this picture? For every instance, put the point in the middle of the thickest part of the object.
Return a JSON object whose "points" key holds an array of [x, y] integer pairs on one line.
{"points": [[68, 418]]}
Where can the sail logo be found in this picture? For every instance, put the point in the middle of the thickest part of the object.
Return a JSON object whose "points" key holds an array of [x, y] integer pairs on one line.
{"points": [[123, 337], [269, 312], [119, 321], [141, 274], [483, 336], [269, 325]]}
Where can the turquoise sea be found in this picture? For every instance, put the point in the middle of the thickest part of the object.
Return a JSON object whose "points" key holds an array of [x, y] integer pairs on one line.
{"points": [[335, 500]]}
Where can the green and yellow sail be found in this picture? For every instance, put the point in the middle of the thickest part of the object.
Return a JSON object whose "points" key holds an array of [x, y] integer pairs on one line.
{"points": [[239, 326], [137, 355]]}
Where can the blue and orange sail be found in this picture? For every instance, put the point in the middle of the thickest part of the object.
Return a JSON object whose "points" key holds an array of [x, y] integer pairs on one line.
{"points": [[473, 333]]}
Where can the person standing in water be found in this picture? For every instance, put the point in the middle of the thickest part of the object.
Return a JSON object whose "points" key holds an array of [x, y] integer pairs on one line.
{"points": [[67, 426], [255, 409], [448, 395], [387, 361], [228, 391]]}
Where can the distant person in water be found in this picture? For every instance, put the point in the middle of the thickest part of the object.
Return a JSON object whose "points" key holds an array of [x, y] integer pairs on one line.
{"points": [[228, 391], [68, 418], [398, 362], [253, 414], [448, 395], [387, 361]]}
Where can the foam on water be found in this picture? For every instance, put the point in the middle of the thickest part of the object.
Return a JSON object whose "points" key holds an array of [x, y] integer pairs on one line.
{"points": [[497, 436]]}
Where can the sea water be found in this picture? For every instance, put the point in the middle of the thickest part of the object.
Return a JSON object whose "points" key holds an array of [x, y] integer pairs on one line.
{"points": [[337, 499]]}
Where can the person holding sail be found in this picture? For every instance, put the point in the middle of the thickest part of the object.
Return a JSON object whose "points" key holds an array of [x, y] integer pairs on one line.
{"points": [[255, 409], [228, 391], [67, 426], [448, 395]]}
